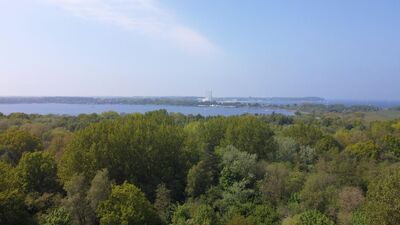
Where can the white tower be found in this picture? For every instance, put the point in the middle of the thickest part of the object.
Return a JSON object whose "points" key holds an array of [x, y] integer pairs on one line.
{"points": [[209, 96]]}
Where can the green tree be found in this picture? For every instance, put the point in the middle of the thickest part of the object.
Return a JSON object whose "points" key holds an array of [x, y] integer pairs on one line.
{"points": [[58, 140], [100, 189], [239, 220], [263, 214], [192, 213], [199, 179], [127, 205], [163, 203], [327, 143], [319, 192], [307, 156], [237, 179], [366, 149], [37, 172], [204, 215], [359, 218], [391, 144], [287, 149], [57, 216], [237, 166], [314, 218], [39, 204], [250, 134], [382, 204], [304, 134], [13, 210], [76, 202], [213, 131], [181, 215], [143, 149], [193, 142], [279, 183], [7, 177], [18, 141]]}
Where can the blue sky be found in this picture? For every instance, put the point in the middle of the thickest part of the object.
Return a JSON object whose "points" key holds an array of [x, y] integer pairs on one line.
{"points": [[333, 49]]}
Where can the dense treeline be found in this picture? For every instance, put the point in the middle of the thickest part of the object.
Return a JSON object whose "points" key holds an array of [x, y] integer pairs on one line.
{"points": [[328, 108], [160, 168]]}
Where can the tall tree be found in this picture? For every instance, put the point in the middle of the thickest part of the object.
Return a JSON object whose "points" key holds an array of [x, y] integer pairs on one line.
{"points": [[127, 205], [144, 149], [250, 134], [382, 204], [16, 142], [100, 189], [57, 216], [163, 203], [314, 218], [13, 210], [37, 172], [76, 202]]}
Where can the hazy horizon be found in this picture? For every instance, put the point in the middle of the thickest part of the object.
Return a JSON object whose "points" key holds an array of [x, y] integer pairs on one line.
{"points": [[126, 48], [334, 100]]}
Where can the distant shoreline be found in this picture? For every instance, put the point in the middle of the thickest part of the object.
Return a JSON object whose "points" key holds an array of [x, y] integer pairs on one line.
{"points": [[175, 101], [153, 100], [301, 104], [77, 109]]}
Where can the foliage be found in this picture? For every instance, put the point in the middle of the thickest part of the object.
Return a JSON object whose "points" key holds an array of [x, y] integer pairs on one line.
{"points": [[252, 135], [392, 144], [163, 203], [287, 149], [382, 204], [319, 192], [13, 210], [100, 189], [314, 218], [304, 134], [237, 166], [143, 149], [279, 183], [199, 179], [76, 202], [7, 177], [307, 156], [194, 214], [363, 149], [327, 143], [37, 172], [169, 168], [58, 216], [263, 214], [350, 198], [16, 142], [204, 215], [58, 141], [127, 205]]}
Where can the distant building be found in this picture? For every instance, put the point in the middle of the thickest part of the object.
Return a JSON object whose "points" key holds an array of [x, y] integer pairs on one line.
{"points": [[208, 97]]}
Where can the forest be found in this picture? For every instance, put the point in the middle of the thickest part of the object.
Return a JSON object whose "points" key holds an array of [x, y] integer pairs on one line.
{"points": [[162, 168]]}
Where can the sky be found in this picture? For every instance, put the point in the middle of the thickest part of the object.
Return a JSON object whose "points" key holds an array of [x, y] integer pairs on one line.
{"points": [[333, 49]]}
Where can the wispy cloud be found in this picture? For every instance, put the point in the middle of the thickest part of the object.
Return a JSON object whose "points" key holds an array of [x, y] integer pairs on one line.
{"points": [[142, 16]]}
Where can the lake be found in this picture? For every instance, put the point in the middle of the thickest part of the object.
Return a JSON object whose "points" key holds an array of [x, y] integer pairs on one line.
{"points": [[76, 109]]}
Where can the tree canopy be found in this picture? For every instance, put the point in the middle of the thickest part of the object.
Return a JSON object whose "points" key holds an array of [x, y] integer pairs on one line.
{"points": [[169, 168]]}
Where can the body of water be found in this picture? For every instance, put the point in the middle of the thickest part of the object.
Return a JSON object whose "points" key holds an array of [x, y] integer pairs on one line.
{"points": [[76, 109]]}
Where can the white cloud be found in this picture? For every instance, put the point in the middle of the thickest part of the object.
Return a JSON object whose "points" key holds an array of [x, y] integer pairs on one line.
{"points": [[142, 16]]}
